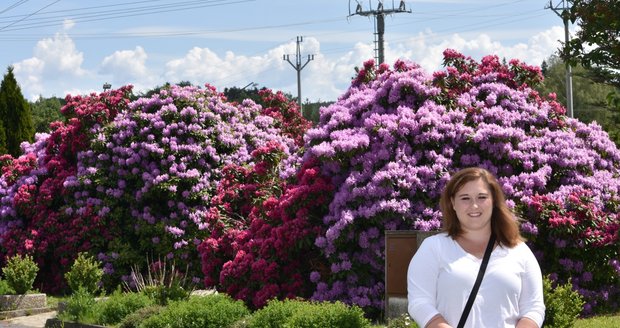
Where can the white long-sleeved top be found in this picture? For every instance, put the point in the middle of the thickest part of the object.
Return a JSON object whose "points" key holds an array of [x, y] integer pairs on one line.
{"points": [[441, 275]]}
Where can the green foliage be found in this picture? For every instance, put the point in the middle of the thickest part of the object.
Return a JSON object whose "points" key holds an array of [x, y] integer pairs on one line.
{"points": [[611, 321], [311, 111], [200, 312], [235, 94], [563, 305], [15, 113], [85, 273], [119, 305], [79, 307], [133, 320], [589, 97], [597, 41], [2, 138], [326, 315], [403, 321], [274, 314], [5, 289], [20, 273], [46, 111], [294, 313]]}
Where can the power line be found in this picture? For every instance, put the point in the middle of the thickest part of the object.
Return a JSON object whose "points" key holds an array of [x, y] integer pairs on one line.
{"points": [[54, 20], [13, 6], [25, 17]]}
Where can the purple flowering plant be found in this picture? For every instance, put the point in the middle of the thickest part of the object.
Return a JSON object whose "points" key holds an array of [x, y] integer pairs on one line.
{"points": [[393, 138], [153, 171]]}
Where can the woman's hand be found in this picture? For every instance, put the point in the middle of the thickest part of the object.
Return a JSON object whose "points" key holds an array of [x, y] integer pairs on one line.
{"points": [[438, 322], [526, 323]]}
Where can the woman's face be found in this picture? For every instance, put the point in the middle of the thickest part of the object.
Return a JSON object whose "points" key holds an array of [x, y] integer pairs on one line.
{"points": [[473, 204]]}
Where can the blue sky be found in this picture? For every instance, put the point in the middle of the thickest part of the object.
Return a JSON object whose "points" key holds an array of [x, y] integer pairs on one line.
{"points": [[74, 46]]}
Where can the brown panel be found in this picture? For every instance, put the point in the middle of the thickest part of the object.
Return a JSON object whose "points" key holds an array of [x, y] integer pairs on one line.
{"points": [[399, 250]]}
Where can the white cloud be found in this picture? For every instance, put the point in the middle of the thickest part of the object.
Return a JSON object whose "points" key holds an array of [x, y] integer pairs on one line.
{"points": [[60, 56], [55, 60], [129, 67], [56, 64]]}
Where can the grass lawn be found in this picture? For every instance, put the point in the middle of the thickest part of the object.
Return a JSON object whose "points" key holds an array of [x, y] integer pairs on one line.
{"points": [[608, 321], [611, 321]]}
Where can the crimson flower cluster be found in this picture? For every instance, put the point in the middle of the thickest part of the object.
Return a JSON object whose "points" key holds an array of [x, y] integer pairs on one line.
{"points": [[576, 238], [33, 196]]}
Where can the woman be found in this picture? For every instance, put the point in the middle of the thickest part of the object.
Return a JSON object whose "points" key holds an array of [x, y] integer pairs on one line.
{"points": [[443, 270]]}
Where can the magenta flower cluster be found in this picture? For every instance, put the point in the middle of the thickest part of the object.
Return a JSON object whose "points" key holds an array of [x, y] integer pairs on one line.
{"points": [[576, 238], [391, 141]]}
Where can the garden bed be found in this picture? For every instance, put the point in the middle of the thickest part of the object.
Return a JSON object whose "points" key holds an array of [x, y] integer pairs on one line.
{"points": [[57, 323], [21, 305]]}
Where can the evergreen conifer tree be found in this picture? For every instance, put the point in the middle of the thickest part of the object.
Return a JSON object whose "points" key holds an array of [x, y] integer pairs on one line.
{"points": [[2, 138], [15, 113]]}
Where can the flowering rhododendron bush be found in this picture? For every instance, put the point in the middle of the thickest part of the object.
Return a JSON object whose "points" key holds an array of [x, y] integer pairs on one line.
{"points": [[578, 238], [153, 171], [33, 196], [268, 251], [133, 182], [262, 225], [391, 141]]}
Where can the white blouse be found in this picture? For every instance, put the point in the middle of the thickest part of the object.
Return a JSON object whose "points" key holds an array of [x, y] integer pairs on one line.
{"points": [[441, 275]]}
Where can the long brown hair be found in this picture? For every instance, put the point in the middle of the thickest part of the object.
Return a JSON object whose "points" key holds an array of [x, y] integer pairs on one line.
{"points": [[504, 224]]}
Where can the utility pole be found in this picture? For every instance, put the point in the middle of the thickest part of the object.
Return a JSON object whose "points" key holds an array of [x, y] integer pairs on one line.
{"points": [[298, 67], [379, 15], [562, 10]]}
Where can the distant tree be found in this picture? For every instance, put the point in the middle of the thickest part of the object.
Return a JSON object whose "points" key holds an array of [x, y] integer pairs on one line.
{"points": [[46, 111], [589, 97], [236, 94], [2, 137], [16, 114], [311, 110], [597, 42]]}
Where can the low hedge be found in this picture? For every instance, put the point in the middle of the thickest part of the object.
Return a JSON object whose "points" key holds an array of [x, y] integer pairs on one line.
{"points": [[199, 312], [302, 314]]}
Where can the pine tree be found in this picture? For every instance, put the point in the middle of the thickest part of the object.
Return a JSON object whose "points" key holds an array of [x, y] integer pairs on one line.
{"points": [[15, 113], [2, 137]]}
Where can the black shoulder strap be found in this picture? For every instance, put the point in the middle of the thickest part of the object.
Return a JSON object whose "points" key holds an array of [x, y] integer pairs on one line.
{"points": [[474, 290]]}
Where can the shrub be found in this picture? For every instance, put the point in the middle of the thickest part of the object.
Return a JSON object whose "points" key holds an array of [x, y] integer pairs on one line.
{"points": [[153, 171], [20, 273], [584, 232], [393, 138], [275, 314], [5, 289], [298, 313], [115, 308], [327, 315], [33, 193], [199, 312], [268, 252], [79, 307], [133, 320], [86, 273], [563, 304]]}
